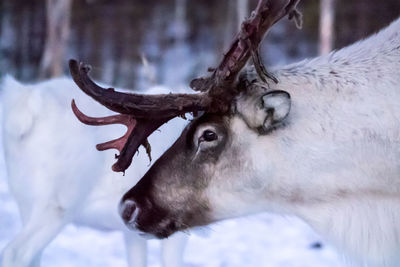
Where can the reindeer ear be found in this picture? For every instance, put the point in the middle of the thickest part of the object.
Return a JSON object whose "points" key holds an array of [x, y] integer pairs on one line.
{"points": [[276, 105]]}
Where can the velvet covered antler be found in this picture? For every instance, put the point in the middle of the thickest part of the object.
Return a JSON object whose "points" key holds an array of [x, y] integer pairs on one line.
{"points": [[143, 114]]}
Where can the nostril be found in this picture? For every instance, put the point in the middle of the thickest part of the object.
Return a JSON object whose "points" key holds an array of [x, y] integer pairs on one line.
{"points": [[128, 211]]}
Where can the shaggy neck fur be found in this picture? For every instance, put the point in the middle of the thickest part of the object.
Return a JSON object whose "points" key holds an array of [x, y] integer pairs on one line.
{"points": [[343, 163]]}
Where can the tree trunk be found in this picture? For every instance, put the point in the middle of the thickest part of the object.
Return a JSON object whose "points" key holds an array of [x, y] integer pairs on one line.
{"points": [[362, 15], [58, 14], [242, 7], [326, 29], [231, 22], [8, 38]]}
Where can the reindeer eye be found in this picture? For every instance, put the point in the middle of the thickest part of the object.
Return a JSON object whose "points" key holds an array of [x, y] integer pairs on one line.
{"points": [[209, 136]]}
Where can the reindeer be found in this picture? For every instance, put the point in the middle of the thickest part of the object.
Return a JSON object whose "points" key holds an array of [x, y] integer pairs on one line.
{"points": [[318, 139], [55, 182]]}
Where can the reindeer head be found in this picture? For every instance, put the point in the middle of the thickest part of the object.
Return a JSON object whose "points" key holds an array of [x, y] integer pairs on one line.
{"points": [[176, 193]]}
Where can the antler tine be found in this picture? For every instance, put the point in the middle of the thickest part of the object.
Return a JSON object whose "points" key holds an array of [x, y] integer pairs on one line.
{"points": [[138, 137], [124, 119], [137, 132]]}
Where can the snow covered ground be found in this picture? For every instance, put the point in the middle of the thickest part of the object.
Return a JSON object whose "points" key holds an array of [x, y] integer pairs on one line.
{"points": [[262, 240]]}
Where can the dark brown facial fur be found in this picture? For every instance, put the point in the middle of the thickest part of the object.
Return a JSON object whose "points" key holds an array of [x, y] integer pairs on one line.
{"points": [[170, 196]]}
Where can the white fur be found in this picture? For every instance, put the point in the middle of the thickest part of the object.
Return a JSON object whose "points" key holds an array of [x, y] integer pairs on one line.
{"points": [[58, 177], [336, 161]]}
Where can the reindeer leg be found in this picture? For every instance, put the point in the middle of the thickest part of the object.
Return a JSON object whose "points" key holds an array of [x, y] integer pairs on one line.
{"points": [[172, 250], [136, 249], [25, 250], [36, 262]]}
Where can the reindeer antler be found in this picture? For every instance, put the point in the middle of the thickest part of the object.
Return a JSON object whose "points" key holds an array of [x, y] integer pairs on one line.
{"points": [[246, 43], [143, 114]]}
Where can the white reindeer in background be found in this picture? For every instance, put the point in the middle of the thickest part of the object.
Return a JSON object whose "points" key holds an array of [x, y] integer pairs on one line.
{"points": [[319, 139], [57, 180]]}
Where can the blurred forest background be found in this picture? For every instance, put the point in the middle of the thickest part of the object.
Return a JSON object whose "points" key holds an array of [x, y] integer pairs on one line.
{"points": [[136, 43]]}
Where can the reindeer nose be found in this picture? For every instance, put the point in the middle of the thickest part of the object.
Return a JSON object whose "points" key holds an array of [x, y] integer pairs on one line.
{"points": [[128, 211]]}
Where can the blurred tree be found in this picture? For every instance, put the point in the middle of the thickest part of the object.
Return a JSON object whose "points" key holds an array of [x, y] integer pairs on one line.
{"points": [[242, 11], [230, 23], [58, 13], [326, 27], [113, 34], [8, 36], [357, 19]]}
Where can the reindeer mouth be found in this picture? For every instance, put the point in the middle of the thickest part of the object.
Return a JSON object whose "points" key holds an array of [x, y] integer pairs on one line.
{"points": [[160, 230], [163, 229], [149, 219]]}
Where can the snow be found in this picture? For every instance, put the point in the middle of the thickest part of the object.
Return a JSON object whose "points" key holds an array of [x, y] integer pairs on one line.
{"points": [[261, 240]]}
